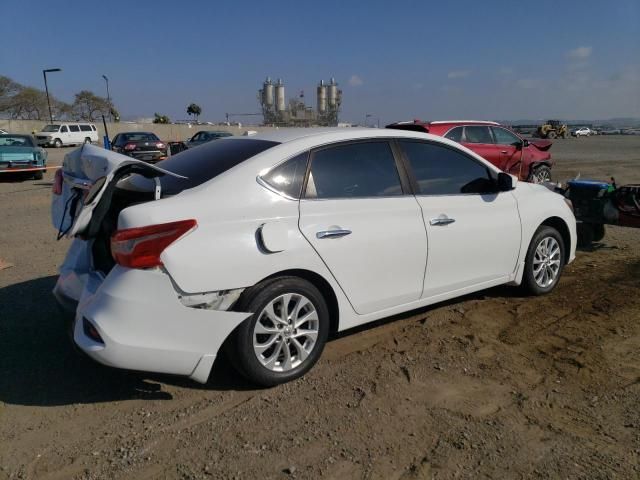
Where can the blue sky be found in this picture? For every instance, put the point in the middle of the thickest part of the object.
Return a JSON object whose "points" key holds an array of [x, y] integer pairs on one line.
{"points": [[396, 60]]}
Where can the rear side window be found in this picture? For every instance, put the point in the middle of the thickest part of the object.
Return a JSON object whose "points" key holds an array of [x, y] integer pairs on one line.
{"points": [[74, 128], [93, 127], [477, 134], [454, 134], [85, 128], [353, 171], [211, 159], [440, 170], [287, 178]]}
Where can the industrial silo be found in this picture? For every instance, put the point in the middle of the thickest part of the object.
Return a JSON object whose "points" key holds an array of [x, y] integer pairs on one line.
{"points": [[333, 93], [280, 102], [322, 97], [267, 92]]}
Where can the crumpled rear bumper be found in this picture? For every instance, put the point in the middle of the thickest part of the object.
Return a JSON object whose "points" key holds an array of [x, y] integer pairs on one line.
{"points": [[144, 326]]}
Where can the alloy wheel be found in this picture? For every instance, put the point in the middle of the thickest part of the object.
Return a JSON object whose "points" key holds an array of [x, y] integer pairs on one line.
{"points": [[285, 332], [546, 262]]}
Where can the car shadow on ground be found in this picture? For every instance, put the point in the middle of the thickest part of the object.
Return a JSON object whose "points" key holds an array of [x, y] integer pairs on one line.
{"points": [[40, 366]]}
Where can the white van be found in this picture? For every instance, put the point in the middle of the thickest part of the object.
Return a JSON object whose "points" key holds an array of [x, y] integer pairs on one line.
{"points": [[59, 134]]}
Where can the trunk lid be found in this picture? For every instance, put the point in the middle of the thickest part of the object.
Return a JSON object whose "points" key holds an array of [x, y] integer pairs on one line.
{"points": [[542, 145], [16, 155], [89, 173]]}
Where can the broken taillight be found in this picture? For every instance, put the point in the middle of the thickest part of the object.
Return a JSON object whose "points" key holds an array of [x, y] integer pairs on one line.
{"points": [[140, 247], [56, 188]]}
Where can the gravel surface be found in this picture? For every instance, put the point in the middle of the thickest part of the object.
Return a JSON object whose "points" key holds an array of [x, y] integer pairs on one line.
{"points": [[492, 385]]}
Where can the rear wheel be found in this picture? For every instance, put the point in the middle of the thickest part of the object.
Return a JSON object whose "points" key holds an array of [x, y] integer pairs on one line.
{"points": [[552, 134], [544, 261], [540, 174], [87, 140], [285, 336]]}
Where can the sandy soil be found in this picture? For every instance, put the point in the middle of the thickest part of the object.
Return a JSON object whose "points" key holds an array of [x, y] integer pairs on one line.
{"points": [[493, 385]]}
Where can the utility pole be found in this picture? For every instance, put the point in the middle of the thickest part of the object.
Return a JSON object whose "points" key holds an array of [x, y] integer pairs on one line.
{"points": [[46, 87], [108, 98]]}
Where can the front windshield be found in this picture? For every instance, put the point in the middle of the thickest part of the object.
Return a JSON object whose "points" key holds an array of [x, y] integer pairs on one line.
{"points": [[51, 128]]}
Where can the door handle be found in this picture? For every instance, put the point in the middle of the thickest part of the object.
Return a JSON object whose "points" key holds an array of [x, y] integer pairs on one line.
{"points": [[503, 151], [337, 233], [441, 220]]}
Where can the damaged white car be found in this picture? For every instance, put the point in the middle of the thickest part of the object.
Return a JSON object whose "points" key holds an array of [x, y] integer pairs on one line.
{"points": [[266, 244]]}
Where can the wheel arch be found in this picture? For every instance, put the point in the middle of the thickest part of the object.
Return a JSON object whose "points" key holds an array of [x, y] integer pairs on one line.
{"points": [[321, 284], [561, 226]]}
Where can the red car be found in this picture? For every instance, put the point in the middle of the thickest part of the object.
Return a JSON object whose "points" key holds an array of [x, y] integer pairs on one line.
{"points": [[529, 160]]}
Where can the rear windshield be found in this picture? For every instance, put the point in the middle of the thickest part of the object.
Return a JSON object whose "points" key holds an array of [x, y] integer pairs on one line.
{"points": [[140, 137], [15, 141], [202, 164]]}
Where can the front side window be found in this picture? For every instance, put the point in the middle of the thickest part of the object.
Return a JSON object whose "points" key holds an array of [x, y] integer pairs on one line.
{"points": [[454, 134], [287, 178], [74, 128], [64, 129], [440, 170], [505, 137], [355, 170], [477, 134]]}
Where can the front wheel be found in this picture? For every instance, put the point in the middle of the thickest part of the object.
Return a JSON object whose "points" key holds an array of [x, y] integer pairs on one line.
{"points": [[544, 261], [39, 175], [285, 336], [57, 143]]}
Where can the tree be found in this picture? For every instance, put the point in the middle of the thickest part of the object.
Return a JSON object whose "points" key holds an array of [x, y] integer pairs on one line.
{"points": [[89, 106], [27, 104], [160, 118], [195, 110]]}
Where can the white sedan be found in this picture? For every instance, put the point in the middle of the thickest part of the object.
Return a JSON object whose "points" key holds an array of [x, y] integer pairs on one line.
{"points": [[270, 243]]}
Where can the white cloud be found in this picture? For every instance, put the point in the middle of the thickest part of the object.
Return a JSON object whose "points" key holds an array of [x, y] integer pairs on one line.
{"points": [[580, 53], [355, 81], [458, 74]]}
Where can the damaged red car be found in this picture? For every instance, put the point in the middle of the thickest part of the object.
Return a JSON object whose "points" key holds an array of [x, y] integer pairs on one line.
{"points": [[527, 159]]}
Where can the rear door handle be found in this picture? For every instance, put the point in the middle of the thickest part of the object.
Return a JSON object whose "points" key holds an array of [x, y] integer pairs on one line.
{"points": [[441, 220], [503, 151], [337, 233]]}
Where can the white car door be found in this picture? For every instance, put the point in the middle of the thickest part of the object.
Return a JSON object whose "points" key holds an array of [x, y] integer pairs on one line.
{"points": [[365, 227], [65, 135], [473, 231]]}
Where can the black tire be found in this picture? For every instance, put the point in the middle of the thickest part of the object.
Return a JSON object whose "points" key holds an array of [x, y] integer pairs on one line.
{"points": [[552, 135], [585, 234], [57, 143], [240, 346], [529, 283], [598, 231], [539, 174], [87, 140], [39, 175]]}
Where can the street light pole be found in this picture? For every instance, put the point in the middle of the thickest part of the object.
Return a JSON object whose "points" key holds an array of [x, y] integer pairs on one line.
{"points": [[46, 87], [108, 97]]}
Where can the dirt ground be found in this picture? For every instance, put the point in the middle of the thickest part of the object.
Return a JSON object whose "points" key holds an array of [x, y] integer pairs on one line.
{"points": [[493, 385]]}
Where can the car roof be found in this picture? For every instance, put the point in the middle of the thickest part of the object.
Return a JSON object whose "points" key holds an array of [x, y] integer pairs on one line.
{"points": [[331, 134]]}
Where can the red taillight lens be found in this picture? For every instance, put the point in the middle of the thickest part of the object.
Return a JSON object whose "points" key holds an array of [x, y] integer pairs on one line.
{"points": [[56, 188], [160, 145], [130, 146], [141, 247]]}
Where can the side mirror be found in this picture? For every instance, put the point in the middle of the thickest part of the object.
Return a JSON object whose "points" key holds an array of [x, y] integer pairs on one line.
{"points": [[505, 182]]}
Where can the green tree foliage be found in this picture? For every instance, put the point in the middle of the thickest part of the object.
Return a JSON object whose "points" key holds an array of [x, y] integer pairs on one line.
{"points": [[195, 110], [160, 118]]}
